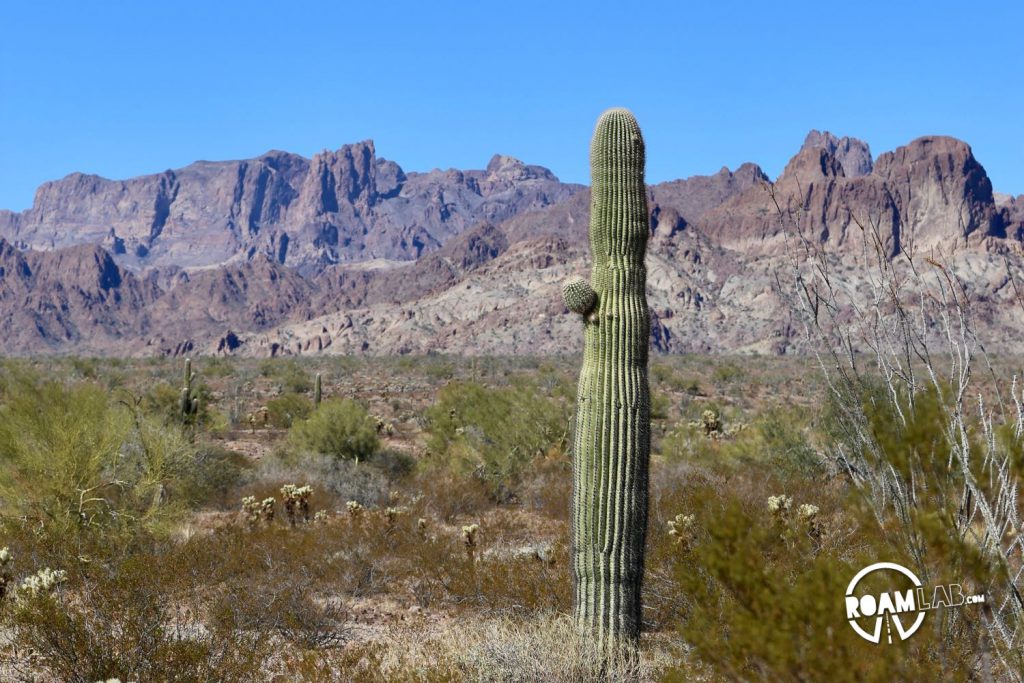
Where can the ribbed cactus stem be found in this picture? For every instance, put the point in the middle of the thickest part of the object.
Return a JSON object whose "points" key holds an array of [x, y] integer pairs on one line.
{"points": [[317, 391], [189, 402], [612, 440]]}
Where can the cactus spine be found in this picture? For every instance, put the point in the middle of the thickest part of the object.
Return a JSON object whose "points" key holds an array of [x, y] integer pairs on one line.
{"points": [[612, 440], [317, 391]]}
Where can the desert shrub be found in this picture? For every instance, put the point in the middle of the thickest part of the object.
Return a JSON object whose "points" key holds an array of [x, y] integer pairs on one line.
{"points": [[163, 401], [758, 593], [290, 375], [284, 410], [335, 481], [132, 619], [85, 368], [660, 406], [340, 428], [71, 458], [215, 474], [494, 433], [394, 463], [438, 369], [216, 366], [283, 605], [785, 441], [544, 647], [726, 374]]}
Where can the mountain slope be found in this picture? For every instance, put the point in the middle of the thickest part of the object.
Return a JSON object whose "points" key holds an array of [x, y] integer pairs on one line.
{"points": [[347, 253]]}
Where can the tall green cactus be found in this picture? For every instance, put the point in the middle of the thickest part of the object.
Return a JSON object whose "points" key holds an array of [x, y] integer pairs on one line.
{"points": [[189, 402], [317, 392], [612, 441]]}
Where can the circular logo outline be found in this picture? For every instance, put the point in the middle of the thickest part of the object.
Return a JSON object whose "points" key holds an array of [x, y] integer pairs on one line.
{"points": [[876, 637]]}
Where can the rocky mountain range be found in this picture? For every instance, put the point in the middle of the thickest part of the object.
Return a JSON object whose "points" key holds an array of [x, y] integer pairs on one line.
{"points": [[347, 253]]}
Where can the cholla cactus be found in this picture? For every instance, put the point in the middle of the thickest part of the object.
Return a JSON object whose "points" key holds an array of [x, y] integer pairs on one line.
{"points": [[250, 509], [320, 516], [354, 508], [5, 577], [808, 515], [779, 506], [252, 422], [681, 528], [296, 502], [469, 535], [713, 427], [43, 582], [807, 512], [391, 514], [711, 423], [255, 511]]}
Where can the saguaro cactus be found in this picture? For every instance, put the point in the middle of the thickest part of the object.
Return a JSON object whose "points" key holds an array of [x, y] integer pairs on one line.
{"points": [[317, 391], [189, 402], [612, 441]]}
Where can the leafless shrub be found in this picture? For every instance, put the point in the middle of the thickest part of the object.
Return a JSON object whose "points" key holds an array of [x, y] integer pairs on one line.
{"points": [[899, 350]]}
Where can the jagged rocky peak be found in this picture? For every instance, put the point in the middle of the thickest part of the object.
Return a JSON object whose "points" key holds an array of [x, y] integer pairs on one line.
{"points": [[747, 172], [941, 188], [504, 167], [852, 154], [812, 163], [938, 156], [353, 174]]}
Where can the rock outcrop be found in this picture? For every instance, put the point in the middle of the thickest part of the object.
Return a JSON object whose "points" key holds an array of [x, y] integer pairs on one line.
{"points": [[341, 206], [348, 253]]}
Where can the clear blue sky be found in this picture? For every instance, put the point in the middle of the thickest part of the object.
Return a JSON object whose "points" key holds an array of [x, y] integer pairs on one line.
{"points": [[126, 88]]}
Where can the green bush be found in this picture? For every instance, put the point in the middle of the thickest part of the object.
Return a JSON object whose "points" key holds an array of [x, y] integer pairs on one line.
{"points": [[340, 428], [763, 596], [494, 433], [286, 409], [71, 457], [394, 463], [290, 374], [214, 476]]}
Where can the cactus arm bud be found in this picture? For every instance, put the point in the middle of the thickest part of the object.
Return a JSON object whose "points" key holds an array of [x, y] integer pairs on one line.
{"points": [[579, 296]]}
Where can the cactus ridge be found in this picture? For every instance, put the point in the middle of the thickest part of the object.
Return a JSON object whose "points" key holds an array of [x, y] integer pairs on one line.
{"points": [[611, 451]]}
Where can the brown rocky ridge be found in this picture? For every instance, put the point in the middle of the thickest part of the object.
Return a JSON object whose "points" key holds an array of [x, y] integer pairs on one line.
{"points": [[347, 253]]}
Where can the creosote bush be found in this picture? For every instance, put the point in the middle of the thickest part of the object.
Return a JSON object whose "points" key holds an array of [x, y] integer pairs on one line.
{"points": [[285, 410], [494, 434], [340, 428]]}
